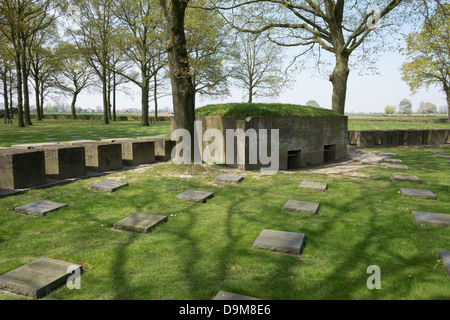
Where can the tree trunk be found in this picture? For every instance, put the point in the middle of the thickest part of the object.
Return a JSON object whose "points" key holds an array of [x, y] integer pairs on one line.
{"points": [[37, 97], [5, 95], [41, 92], [155, 97], [447, 93], [339, 79], [26, 91], [105, 97], [144, 100], [19, 89], [72, 105], [183, 93], [11, 84], [250, 95], [114, 96]]}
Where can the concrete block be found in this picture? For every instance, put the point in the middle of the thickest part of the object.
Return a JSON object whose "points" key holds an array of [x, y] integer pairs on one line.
{"points": [[37, 278], [39, 208], [311, 185], [140, 222], [230, 178], [417, 193], [444, 256], [399, 177], [108, 186], [440, 219], [301, 206], [224, 295], [20, 169], [195, 196], [280, 241]]}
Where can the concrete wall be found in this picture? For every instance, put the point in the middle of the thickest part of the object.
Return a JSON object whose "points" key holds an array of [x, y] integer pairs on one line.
{"points": [[392, 138], [306, 135]]}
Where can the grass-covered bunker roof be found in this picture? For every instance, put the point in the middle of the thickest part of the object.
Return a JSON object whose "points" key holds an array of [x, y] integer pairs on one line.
{"points": [[244, 110]]}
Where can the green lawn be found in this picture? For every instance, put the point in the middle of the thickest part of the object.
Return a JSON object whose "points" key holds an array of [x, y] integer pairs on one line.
{"points": [[394, 125], [65, 130], [204, 248]]}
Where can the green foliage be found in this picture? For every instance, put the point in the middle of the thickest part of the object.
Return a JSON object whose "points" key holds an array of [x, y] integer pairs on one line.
{"points": [[427, 108], [243, 110], [405, 107], [389, 109], [428, 53]]}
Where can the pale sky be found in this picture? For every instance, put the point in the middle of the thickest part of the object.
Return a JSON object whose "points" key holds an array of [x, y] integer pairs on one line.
{"points": [[365, 94]]}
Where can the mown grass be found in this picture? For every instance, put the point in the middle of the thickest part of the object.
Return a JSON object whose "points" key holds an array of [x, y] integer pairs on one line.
{"points": [[394, 125], [243, 110], [204, 248], [50, 130]]}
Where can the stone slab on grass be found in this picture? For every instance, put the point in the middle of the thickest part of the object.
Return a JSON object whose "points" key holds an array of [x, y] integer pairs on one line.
{"points": [[392, 160], [140, 222], [37, 278], [230, 178], [417, 193], [396, 167], [311, 185], [435, 151], [108, 186], [444, 256], [439, 219], [401, 177], [194, 196], [39, 208], [280, 241], [224, 295], [443, 156], [390, 154], [301, 206]]}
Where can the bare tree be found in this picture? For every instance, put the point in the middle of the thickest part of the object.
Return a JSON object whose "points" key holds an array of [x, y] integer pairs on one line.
{"points": [[336, 26]]}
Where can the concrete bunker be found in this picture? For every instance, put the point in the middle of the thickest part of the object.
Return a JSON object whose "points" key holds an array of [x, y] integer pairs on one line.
{"points": [[302, 140]]}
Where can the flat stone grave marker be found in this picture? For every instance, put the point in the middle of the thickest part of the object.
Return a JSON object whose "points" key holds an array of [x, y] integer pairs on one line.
{"points": [[435, 151], [194, 196], [443, 156], [280, 241], [38, 277], [140, 222], [224, 295], [311, 185], [400, 177], [231, 178], [439, 219], [396, 167], [387, 154], [39, 208], [444, 256], [392, 160], [108, 186], [301, 206], [417, 193]]}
